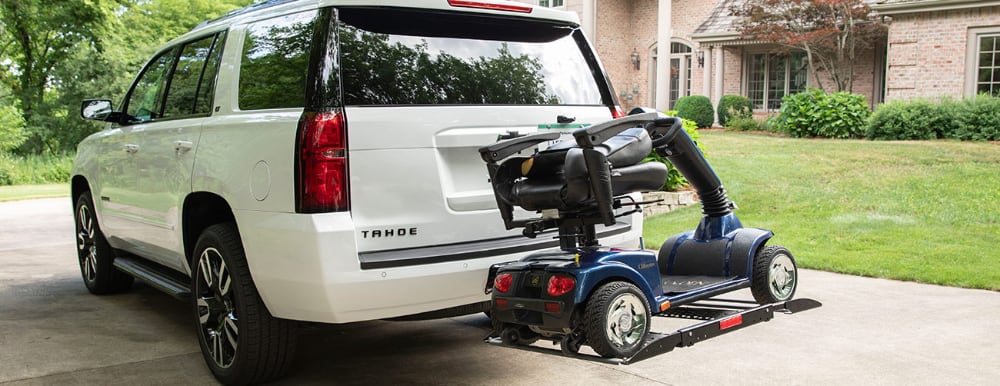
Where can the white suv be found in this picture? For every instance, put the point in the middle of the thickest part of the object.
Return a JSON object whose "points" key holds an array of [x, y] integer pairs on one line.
{"points": [[316, 161]]}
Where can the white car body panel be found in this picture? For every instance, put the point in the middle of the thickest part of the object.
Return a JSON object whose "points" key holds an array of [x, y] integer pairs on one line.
{"points": [[410, 167]]}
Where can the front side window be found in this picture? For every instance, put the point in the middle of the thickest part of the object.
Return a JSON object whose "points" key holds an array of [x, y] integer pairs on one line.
{"points": [[419, 58], [275, 62], [769, 77], [145, 101]]}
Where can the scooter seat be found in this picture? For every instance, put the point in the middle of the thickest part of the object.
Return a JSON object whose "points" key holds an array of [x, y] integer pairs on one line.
{"points": [[557, 178]]}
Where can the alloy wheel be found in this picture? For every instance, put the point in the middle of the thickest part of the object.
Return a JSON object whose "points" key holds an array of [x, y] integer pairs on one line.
{"points": [[216, 308], [85, 242]]}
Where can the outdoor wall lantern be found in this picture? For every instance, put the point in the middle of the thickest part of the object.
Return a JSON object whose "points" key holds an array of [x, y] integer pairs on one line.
{"points": [[701, 57], [635, 59]]}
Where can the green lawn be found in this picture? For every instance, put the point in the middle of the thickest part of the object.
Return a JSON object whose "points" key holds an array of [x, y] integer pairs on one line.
{"points": [[922, 211], [26, 192]]}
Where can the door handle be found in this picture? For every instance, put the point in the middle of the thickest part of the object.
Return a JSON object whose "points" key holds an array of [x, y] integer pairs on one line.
{"points": [[183, 146], [131, 148]]}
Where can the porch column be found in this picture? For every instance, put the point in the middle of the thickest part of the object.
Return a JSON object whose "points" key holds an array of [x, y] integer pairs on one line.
{"points": [[663, 33], [588, 19], [717, 74], [706, 74]]}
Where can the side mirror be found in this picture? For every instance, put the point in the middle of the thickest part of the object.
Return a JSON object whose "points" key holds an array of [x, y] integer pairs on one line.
{"points": [[96, 109]]}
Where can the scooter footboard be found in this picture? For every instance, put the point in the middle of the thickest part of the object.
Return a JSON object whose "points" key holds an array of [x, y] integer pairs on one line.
{"points": [[721, 319]]}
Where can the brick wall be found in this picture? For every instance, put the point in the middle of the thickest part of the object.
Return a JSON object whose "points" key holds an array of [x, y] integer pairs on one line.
{"points": [[627, 25], [687, 16], [927, 52]]}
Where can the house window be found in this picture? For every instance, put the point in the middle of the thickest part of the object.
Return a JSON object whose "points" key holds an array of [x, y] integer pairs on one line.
{"points": [[988, 64], [770, 77], [680, 72], [550, 3]]}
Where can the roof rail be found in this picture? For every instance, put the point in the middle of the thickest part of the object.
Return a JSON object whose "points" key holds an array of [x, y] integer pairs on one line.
{"points": [[236, 12]]}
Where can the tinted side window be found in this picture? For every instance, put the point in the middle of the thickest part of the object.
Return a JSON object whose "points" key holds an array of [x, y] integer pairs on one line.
{"points": [[206, 90], [275, 61], [411, 57], [191, 66], [145, 99]]}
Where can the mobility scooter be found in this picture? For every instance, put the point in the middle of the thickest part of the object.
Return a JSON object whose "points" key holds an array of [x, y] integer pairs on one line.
{"points": [[587, 294]]}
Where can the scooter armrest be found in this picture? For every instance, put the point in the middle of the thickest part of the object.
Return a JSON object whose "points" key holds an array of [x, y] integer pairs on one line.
{"points": [[501, 150]]}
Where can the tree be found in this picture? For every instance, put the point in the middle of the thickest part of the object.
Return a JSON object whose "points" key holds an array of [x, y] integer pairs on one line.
{"points": [[37, 36], [833, 33], [53, 53]]}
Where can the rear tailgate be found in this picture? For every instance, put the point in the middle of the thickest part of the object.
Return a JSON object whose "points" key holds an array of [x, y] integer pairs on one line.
{"points": [[424, 184], [422, 91]]}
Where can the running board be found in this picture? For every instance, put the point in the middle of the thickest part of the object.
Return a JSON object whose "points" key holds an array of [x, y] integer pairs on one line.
{"points": [[161, 278], [721, 317]]}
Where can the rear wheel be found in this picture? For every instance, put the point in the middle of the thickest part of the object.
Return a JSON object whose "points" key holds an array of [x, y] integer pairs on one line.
{"points": [[774, 275], [240, 340], [95, 254], [616, 320]]}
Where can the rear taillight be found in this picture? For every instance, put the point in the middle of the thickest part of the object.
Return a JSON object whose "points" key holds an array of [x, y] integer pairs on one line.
{"points": [[560, 285], [617, 112], [502, 282], [493, 6], [322, 163]]}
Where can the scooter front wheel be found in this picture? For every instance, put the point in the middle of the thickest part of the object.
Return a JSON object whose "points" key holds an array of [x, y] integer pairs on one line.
{"points": [[775, 276]]}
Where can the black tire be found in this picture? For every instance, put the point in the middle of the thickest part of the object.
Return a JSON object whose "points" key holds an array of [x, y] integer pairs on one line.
{"points": [[240, 340], [612, 306], [775, 276], [518, 335], [95, 254], [570, 344]]}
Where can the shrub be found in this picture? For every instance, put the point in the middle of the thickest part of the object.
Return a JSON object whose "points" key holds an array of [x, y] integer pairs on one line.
{"points": [[814, 113], [12, 132], [34, 169], [744, 124], [734, 106], [978, 119], [918, 119], [697, 108], [772, 124], [675, 180]]}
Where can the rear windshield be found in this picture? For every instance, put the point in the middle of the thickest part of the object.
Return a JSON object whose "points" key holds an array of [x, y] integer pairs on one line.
{"points": [[405, 57]]}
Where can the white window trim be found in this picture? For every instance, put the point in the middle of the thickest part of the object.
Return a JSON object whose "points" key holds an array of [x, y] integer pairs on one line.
{"points": [[745, 77], [563, 6], [972, 56]]}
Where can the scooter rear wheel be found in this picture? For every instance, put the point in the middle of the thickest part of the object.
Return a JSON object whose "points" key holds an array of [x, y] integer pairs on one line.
{"points": [[616, 320]]}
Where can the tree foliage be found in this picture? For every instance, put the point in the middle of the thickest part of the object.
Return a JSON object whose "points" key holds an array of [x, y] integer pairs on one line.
{"points": [[54, 53], [833, 33]]}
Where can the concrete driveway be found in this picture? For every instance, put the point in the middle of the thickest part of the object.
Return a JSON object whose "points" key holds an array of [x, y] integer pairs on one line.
{"points": [[869, 331]]}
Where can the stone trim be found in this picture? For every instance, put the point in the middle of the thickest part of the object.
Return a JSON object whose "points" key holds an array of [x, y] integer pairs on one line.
{"points": [[671, 201]]}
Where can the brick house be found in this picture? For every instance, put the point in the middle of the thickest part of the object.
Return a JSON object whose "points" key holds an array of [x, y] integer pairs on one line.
{"points": [[706, 56], [942, 47]]}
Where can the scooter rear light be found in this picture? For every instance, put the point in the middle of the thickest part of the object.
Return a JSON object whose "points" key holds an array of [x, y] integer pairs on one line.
{"points": [[560, 285], [502, 282]]}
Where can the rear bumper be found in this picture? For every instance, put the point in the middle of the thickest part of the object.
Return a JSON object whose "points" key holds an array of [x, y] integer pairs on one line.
{"points": [[307, 267]]}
